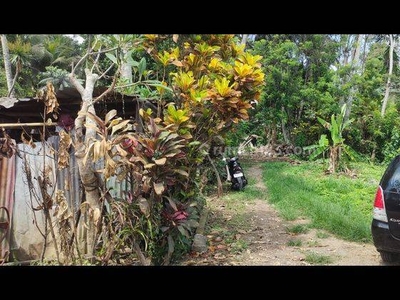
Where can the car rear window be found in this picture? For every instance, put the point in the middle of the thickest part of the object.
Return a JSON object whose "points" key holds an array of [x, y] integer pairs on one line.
{"points": [[391, 178]]}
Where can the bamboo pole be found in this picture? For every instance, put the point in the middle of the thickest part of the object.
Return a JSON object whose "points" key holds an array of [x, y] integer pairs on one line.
{"points": [[17, 125], [3, 182]]}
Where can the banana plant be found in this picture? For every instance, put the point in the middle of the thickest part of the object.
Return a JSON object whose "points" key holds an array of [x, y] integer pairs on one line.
{"points": [[336, 143]]}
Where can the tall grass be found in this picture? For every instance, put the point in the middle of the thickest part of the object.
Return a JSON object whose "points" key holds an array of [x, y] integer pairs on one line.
{"points": [[338, 203]]}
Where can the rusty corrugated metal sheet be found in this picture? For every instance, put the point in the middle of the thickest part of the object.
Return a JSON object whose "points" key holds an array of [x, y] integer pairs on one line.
{"points": [[28, 228], [7, 182], [26, 241], [117, 188], [68, 178], [28, 225]]}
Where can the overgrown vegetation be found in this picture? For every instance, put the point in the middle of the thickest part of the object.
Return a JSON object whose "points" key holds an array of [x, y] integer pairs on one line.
{"points": [[297, 194], [340, 204], [204, 84], [203, 87]]}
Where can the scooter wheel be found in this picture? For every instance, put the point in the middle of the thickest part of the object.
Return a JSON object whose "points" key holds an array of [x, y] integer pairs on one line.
{"points": [[239, 184]]}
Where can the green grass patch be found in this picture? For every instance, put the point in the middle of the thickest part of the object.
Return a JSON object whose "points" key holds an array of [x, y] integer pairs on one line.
{"points": [[297, 229], [313, 243], [322, 235], [337, 203], [318, 259], [239, 246], [236, 201], [294, 243]]}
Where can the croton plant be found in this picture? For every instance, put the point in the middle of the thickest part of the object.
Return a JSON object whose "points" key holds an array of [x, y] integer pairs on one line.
{"points": [[214, 81]]}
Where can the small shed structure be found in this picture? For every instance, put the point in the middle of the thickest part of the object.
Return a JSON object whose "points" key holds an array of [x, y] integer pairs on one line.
{"points": [[25, 153]]}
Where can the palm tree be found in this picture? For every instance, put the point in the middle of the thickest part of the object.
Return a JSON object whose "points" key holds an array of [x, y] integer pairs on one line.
{"points": [[31, 55]]}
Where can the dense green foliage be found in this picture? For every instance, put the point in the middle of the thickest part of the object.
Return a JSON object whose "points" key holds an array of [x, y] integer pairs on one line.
{"points": [[198, 88], [306, 76], [311, 76]]}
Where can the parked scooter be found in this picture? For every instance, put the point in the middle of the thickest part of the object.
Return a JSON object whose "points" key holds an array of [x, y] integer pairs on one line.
{"points": [[235, 174]]}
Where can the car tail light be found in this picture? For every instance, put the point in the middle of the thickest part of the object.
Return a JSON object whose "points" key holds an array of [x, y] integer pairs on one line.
{"points": [[379, 212]]}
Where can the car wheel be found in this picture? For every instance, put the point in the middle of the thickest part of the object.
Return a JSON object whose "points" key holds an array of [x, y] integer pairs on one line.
{"points": [[389, 257]]}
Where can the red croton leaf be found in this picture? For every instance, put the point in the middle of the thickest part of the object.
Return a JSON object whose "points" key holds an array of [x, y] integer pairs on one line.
{"points": [[180, 215]]}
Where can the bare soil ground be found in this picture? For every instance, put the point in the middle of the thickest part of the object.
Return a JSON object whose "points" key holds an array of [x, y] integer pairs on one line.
{"points": [[266, 241]]}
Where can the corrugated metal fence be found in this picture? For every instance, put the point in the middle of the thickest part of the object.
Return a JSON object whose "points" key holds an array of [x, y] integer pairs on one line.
{"points": [[18, 180], [7, 181]]}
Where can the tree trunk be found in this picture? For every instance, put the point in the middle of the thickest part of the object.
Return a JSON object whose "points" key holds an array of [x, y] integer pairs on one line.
{"points": [[272, 135], [333, 159], [90, 180], [285, 133], [244, 39], [219, 182], [345, 57], [7, 66], [354, 64], [387, 90], [126, 69]]}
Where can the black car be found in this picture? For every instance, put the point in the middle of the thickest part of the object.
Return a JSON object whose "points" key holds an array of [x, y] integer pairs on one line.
{"points": [[385, 227]]}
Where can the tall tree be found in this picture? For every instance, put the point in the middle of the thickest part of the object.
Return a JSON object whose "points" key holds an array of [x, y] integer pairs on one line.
{"points": [[7, 66], [389, 76], [349, 69], [85, 133]]}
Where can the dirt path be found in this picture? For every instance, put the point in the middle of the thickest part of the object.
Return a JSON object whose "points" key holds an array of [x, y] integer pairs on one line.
{"points": [[265, 241]]}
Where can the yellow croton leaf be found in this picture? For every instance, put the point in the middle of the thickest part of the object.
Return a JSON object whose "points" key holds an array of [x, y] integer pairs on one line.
{"points": [[238, 48], [242, 70], [151, 37], [160, 89], [215, 64], [222, 87], [252, 60], [258, 76], [206, 49], [197, 95], [191, 59], [174, 53], [145, 113], [184, 80], [203, 82], [164, 58]]}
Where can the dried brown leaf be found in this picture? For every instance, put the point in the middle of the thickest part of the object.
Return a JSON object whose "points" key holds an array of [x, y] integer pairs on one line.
{"points": [[161, 161], [158, 188], [144, 206]]}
